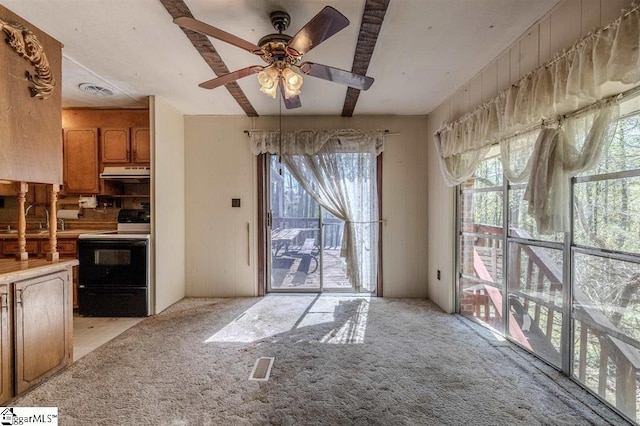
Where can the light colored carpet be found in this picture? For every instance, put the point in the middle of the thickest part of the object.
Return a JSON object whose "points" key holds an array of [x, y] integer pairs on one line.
{"points": [[339, 360]]}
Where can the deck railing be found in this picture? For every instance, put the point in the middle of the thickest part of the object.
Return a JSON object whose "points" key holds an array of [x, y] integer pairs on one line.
{"points": [[535, 307], [332, 228]]}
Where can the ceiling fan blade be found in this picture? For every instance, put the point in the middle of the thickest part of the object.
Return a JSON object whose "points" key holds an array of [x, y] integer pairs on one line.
{"points": [[231, 77], [206, 29], [291, 103], [322, 26], [357, 81]]}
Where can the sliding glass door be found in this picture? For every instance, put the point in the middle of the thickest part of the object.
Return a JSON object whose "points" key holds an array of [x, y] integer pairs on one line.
{"points": [[305, 240]]}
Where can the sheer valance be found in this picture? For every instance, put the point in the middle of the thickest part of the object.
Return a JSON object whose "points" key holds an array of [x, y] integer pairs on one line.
{"points": [[309, 142], [604, 63]]}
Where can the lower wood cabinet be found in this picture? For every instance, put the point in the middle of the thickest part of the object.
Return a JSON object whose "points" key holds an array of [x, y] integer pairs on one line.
{"points": [[6, 343], [36, 330], [43, 328]]}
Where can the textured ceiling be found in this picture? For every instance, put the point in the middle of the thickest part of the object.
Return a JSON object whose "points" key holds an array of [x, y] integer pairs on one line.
{"points": [[425, 51]]}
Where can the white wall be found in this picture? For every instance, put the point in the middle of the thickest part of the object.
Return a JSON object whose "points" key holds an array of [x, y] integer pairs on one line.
{"points": [[560, 29], [221, 248], [168, 202], [221, 255]]}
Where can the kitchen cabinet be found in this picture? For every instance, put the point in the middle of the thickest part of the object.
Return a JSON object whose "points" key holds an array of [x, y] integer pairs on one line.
{"points": [[115, 145], [36, 323], [141, 145], [43, 328], [80, 161], [6, 344], [125, 145], [10, 248]]}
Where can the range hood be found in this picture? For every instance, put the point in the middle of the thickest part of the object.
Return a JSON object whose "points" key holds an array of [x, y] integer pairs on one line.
{"points": [[127, 174]]}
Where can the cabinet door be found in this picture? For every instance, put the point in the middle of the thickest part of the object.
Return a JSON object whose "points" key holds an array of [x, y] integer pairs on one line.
{"points": [[43, 328], [6, 345], [11, 247], [141, 145], [80, 156], [115, 145]]}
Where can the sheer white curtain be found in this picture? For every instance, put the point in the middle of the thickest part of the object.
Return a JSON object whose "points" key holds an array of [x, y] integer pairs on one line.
{"points": [[338, 169], [604, 63]]}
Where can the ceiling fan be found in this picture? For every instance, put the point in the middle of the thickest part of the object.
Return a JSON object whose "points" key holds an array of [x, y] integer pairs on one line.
{"points": [[283, 55]]}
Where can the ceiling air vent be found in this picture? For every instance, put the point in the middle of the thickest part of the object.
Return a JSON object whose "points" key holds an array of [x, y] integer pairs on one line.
{"points": [[95, 90]]}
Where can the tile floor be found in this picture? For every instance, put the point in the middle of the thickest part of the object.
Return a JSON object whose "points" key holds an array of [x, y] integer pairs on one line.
{"points": [[90, 333]]}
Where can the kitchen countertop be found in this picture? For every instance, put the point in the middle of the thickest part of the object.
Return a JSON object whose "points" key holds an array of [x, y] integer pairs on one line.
{"points": [[44, 233], [14, 270]]}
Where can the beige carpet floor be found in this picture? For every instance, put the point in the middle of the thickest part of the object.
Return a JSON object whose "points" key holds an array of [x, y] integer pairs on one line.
{"points": [[339, 360]]}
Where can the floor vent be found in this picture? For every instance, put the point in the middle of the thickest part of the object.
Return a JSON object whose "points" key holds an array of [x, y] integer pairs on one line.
{"points": [[262, 369]]}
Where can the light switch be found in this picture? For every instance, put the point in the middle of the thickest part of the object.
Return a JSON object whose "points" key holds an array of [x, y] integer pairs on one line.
{"points": [[235, 202]]}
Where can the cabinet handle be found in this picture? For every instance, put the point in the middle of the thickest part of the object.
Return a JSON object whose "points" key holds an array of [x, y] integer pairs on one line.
{"points": [[3, 302], [19, 297]]}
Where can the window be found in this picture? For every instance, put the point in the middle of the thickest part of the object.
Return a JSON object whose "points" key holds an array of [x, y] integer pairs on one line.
{"points": [[571, 298], [481, 287], [606, 272]]}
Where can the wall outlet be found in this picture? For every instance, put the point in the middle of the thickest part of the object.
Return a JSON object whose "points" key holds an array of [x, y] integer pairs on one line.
{"points": [[438, 274]]}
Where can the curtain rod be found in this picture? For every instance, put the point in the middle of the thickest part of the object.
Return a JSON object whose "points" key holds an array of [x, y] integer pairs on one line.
{"points": [[386, 132]]}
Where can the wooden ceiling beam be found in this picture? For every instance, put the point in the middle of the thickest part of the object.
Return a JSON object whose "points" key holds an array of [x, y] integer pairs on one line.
{"points": [[372, 18], [177, 8]]}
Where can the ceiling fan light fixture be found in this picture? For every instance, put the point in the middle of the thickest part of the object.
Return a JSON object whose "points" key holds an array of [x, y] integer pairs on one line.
{"points": [[268, 79], [292, 83]]}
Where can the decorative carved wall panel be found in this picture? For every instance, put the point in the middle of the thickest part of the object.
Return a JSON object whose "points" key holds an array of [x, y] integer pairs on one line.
{"points": [[29, 47]]}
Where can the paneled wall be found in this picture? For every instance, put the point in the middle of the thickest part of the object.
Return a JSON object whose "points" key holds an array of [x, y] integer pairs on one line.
{"points": [[221, 240], [564, 25]]}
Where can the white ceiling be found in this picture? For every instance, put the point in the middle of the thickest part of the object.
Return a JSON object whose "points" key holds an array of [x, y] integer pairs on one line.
{"points": [[426, 50]]}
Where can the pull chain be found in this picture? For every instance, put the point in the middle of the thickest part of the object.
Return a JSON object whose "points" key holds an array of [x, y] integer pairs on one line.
{"points": [[280, 135]]}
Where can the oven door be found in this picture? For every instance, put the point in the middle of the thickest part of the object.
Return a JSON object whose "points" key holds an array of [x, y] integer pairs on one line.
{"points": [[113, 263]]}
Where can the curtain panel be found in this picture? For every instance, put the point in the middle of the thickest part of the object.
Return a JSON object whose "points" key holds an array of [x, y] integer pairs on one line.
{"points": [[549, 161], [603, 63], [337, 168]]}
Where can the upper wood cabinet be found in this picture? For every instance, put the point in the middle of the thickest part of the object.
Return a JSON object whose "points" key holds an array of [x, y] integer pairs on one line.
{"points": [[115, 145], [124, 145], [141, 145], [80, 161]]}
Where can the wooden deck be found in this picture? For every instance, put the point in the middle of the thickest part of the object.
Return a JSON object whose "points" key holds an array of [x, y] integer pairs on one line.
{"points": [[293, 271]]}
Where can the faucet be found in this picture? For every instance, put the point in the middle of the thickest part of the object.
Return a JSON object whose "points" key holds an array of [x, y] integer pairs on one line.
{"points": [[46, 212], [61, 223]]}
